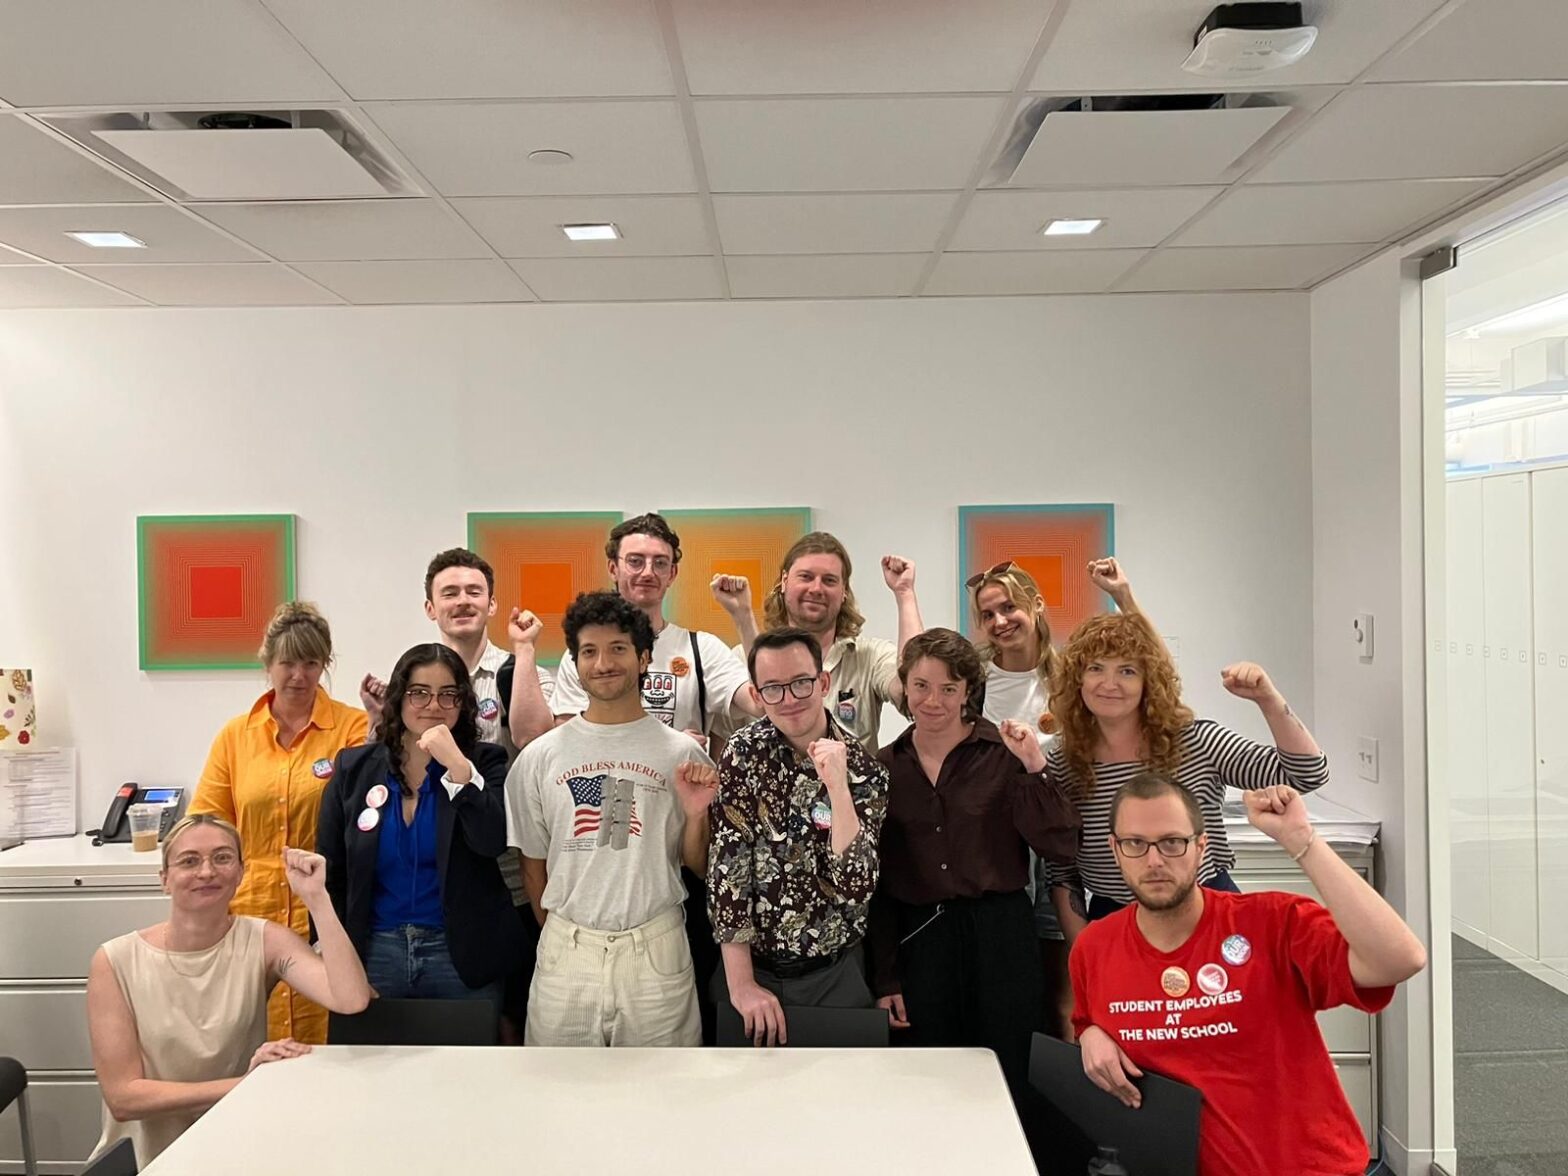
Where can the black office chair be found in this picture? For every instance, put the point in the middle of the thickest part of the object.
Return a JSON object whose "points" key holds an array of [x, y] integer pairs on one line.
{"points": [[418, 1022], [119, 1160], [13, 1089], [814, 1028]]}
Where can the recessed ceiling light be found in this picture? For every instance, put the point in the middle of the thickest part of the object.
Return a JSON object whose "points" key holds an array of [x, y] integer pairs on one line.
{"points": [[591, 232], [106, 240], [1072, 228]]}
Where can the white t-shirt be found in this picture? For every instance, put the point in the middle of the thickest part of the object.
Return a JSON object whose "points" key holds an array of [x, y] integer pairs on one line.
{"points": [[669, 691], [597, 802], [1019, 695], [491, 705]]}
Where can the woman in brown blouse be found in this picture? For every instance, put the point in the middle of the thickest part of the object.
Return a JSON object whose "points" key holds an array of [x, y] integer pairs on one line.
{"points": [[953, 956]]}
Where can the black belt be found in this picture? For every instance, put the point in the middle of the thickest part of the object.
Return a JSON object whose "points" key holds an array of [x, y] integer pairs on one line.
{"points": [[793, 967]]}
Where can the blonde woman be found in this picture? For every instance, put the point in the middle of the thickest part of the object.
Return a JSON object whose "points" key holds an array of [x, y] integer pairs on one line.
{"points": [[265, 774], [177, 1012]]}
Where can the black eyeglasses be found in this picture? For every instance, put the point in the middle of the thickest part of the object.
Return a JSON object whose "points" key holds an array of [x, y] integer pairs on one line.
{"points": [[421, 697], [1006, 565], [773, 692], [1169, 847]]}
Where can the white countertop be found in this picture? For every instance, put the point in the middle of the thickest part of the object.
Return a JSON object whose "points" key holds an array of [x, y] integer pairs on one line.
{"points": [[620, 1111], [61, 857], [1335, 823]]}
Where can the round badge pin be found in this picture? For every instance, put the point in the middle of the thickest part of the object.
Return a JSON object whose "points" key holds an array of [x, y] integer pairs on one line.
{"points": [[822, 815], [1213, 979], [1236, 949], [488, 709], [377, 796], [1175, 981], [322, 769], [368, 820]]}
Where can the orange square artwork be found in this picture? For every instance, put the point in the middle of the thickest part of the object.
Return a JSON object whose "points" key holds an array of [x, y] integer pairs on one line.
{"points": [[748, 542], [1054, 544]]}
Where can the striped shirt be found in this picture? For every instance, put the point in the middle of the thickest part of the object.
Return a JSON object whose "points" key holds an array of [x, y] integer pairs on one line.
{"points": [[1212, 758]]}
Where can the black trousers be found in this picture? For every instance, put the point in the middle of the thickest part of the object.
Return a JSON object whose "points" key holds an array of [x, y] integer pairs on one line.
{"points": [[970, 975], [704, 951]]}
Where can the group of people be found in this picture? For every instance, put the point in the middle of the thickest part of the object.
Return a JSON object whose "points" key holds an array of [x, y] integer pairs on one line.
{"points": [[672, 826]]}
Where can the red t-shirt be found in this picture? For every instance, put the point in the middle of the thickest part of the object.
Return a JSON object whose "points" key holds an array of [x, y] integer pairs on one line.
{"points": [[1232, 1012]]}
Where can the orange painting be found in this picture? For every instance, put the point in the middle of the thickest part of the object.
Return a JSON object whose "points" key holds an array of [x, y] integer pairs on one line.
{"points": [[1054, 544], [748, 542]]}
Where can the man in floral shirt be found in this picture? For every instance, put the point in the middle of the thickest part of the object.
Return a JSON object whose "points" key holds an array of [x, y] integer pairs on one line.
{"points": [[793, 860]]}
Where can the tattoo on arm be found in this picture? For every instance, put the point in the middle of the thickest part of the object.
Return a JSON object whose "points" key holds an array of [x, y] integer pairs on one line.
{"points": [[283, 966], [1291, 715]]}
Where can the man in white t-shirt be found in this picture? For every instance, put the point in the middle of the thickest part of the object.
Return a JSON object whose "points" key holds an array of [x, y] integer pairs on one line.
{"points": [[605, 809]]}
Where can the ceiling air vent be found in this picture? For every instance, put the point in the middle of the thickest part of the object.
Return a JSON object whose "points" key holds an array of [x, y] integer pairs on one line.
{"points": [[242, 155]]}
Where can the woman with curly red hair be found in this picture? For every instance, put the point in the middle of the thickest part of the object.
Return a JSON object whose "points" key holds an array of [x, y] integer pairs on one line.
{"points": [[1118, 712]]}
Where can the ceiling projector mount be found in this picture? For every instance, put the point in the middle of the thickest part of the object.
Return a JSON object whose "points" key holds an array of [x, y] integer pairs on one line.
{"points": [[1239, 39]]}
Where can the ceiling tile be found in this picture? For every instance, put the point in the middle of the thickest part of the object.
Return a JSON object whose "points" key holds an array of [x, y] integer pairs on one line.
{"points": [[11, 257], [481, 149], [1485, 40], [482, 49], [891, 222], [1085, 271], [530, 226], [1308, 214], [45, 286], [1129, 45], [40, 170], [1414, 132], [867, 47], [621, 279], [844, 144], [1134, 217], [867, 275], [1281, 267], [351, 230], [373, 282], [1134, 147], [152, 53], [258, 284], [169, 234]]}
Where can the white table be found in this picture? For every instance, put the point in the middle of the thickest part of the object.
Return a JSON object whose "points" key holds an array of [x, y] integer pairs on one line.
{"points": [[633, 1112]]}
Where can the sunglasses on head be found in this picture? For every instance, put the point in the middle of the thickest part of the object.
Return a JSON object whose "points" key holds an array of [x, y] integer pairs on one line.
{"points": [[1006, 565]]}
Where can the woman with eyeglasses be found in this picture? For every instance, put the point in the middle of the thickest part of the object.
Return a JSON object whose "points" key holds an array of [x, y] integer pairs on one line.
{"points": [[411, 827], [177, 1012], [1118, 710]]}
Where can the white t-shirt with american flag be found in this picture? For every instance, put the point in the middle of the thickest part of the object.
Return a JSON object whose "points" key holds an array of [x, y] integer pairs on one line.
{"points": [[597, 803]]}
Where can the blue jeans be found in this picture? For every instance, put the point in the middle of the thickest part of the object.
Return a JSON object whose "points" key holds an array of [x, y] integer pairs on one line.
{"points": [[1100, 906], [414, 962]]}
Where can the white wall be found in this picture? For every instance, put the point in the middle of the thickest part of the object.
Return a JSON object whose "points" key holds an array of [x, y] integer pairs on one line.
{"points": [[381, 428]]}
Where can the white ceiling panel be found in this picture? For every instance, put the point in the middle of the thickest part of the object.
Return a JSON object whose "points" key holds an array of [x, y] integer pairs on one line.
{"points": [[45, 286], [870, 275], [1129, 45], [865, 47], [1134, 217], [844, 144], [169, 235], [530, 226], [1307, 214], [1281, 267], [483, 49], [1135, 147], [152, 52], [1486, 40], [259, 284], [1053, 272], [481, 149], [35, 169], [350, 230], [376, 282], [1414, 132], [11, 257], [620, 279], [881, 222]]}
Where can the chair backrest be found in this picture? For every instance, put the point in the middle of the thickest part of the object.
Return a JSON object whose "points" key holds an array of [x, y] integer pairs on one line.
{"points": [[13, 1080], [815, 1028], [418, 1022], [119, 1160]]}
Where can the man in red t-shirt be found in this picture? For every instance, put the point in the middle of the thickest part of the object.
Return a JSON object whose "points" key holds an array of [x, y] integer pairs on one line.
{"points": [[1221, 990]]}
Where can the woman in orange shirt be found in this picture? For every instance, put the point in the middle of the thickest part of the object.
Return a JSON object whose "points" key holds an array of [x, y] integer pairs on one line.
{"points": [[266, 773]]}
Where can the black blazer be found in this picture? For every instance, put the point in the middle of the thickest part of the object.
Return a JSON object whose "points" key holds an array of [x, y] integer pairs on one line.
{"points": [[482, 929]]}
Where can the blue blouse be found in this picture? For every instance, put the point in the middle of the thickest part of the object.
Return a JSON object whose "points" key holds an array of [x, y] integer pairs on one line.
{"points": [[408, 885]]}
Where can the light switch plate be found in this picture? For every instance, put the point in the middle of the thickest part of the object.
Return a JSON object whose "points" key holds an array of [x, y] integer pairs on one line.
{"points": [[1362, 628], [1366, 759]]}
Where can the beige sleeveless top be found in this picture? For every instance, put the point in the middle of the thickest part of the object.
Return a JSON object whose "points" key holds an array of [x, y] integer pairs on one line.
{"points": [[200, 1016]]}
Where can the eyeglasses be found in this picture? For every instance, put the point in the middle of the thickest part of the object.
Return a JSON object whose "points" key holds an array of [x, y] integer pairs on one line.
{"points": [[661, 563], [1006, 565], [1169, 847], [773, 692], [420, 697], [219, 859]]}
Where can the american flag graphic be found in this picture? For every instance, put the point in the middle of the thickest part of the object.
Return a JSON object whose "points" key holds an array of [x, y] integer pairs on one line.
{"points": [[588, 796]]}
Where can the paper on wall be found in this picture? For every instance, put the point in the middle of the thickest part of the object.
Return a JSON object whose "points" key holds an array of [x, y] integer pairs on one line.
{"points": [[42, 785]]}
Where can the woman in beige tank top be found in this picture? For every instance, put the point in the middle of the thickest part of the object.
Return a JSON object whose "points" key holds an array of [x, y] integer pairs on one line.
{"points": [[178, 1011]]}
